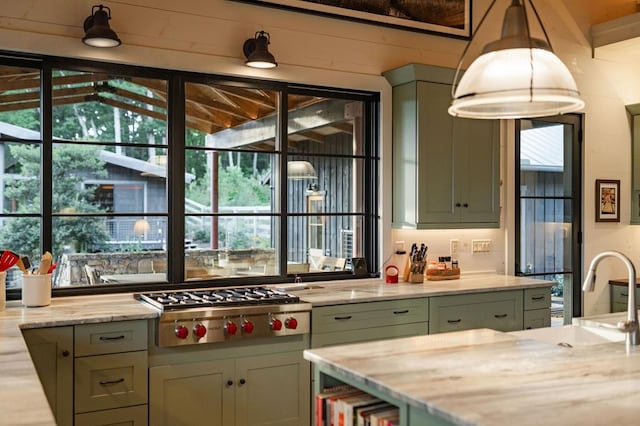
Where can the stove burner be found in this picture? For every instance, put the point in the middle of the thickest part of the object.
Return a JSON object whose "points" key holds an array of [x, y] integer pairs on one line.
{"points": [[244, 296]]}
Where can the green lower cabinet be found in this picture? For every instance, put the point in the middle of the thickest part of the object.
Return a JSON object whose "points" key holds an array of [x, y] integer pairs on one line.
{"points": [[271, 389], [501, 311], [51, 351], [537, 318], [128, 416], [362, 322], [620, 298]]}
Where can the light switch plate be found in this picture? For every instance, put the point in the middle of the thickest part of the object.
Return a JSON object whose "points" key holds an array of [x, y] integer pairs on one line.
{"points": [[453, 247], [481, 246]]}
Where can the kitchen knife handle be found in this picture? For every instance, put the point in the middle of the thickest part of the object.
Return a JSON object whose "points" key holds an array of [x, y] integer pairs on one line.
{"points": [[111, 382]]}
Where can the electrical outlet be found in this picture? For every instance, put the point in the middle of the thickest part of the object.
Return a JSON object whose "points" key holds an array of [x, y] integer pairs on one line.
{"points": [[481, 246], [398, 246], [453, 247]]}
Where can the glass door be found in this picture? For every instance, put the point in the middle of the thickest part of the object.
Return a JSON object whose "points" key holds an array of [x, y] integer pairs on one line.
{"points": [[548, 208]]}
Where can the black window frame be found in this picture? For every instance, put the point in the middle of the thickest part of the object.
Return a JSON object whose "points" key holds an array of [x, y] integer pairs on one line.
{"points": [[176, 152]]}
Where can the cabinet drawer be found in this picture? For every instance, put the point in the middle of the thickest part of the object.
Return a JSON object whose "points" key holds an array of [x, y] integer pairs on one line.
{"points": [[537, 298], [537, 318], [497, 310], [620, 294], [319, 340], [111, 337], [110, 381], [128, 416], [357, 316]]}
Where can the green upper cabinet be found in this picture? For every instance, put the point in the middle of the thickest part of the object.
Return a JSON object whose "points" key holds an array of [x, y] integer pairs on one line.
{"points": [[446, 170], [634, 112]]}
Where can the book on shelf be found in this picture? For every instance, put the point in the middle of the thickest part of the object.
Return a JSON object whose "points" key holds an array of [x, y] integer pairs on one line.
{"points": [[367, 417], [387, 417], [349, 405], [325, 402]]}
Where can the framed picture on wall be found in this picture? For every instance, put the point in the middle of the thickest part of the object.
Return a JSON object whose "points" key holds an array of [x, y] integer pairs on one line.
{"points": [[441, 17], [607, 200]]}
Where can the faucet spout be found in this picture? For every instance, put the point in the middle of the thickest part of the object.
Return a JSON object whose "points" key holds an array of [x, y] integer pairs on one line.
{"points": [[630, 326]]}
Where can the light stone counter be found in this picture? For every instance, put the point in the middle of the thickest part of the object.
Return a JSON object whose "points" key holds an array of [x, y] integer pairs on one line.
{"points": [[22, 399], [484, 377], [368, 290]]}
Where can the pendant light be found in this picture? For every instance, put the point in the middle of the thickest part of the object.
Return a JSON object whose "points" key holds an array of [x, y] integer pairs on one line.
{"points": [[517, 76], [298, 170], [257, 53], [97, 32]]}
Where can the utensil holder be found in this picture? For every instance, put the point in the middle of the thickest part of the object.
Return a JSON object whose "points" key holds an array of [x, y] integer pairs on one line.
{"points": [[36, 290]]}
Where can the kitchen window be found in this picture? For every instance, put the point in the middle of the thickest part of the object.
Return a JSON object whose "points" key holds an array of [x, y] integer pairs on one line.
{"points": [[136, 177]]}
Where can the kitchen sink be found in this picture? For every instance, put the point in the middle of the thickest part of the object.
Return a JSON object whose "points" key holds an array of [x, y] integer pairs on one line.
{"points": [[573, 335]]}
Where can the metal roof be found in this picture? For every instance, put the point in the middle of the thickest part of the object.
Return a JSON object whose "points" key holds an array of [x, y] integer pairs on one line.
{"points": [[542, 149]]}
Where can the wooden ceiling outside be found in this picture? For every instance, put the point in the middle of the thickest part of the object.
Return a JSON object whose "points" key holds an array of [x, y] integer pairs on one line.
{"points": [[209, 109]]}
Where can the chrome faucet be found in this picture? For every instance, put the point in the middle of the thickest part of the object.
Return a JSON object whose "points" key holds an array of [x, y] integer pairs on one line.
{"points": [[630, 326]]}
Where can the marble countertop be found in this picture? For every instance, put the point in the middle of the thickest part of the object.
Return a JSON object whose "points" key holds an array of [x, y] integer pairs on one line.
{"points": [[22, 399], [485, 377], [368, 290]]}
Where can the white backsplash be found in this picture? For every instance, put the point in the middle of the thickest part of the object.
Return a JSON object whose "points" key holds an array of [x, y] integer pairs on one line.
{"points": [[438, 242]]}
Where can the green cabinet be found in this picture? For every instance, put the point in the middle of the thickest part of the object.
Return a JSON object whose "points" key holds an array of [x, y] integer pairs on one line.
{"points": [[537, 308], [361, 322], [446, 170], [620, 297], [267, 389], [51, 351], [634, 118], [500, 310], [110, 373]]}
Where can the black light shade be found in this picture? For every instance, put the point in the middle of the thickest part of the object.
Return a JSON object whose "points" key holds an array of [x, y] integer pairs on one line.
{"points": [[97, 32], [257, 53]]}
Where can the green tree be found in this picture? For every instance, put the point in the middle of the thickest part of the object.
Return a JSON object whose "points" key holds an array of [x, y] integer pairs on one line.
{"points": [[72, 164]]}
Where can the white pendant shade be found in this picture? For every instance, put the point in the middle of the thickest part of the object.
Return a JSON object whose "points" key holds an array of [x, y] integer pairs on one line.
{"points": [[516, 83], [297, 170]]}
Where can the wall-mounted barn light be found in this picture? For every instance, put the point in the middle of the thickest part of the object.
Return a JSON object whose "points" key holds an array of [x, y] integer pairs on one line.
{"points": [[97, 32], [257, 52]]}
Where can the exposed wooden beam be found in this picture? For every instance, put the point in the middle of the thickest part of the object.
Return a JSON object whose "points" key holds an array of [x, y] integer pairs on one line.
{"points": [[313, 136], [345, 127], [301, 120]]}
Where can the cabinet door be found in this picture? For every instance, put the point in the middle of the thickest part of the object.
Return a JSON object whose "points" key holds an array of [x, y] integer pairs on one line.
{"points": [[273, 390], [193, 394], [51, 350], [128, 416], [476, 148]]}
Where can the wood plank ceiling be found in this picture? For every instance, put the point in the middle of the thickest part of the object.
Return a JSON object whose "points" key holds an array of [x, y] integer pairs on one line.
{"points": [[210, 109]]}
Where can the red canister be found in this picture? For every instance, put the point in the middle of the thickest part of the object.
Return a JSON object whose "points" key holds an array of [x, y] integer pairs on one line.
{"points": [[391, 274]]}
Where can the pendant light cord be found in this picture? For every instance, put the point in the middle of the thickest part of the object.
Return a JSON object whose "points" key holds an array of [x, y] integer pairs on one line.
{"points": [[464, 52]]}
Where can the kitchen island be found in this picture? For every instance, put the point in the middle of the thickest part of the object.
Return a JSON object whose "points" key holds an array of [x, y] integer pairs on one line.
{"points": [[484, 377]]}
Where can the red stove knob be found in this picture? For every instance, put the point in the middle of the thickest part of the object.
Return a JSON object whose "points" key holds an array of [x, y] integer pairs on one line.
{"points": [[247, 326], [291, 323], [276, 324], [181, 332], [199, 330], [230, 328]]}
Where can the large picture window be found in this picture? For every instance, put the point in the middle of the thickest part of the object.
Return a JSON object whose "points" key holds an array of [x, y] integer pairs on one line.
{"points": [[135, 177]]}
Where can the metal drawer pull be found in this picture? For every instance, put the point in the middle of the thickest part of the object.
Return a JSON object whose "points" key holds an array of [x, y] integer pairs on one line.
{"points": [[624, 294], [537, 298], [347, 317], [406, 311], [500, 315], [111, 382], [454, 321], [122, 336]]}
